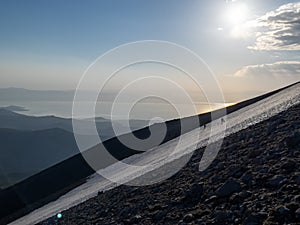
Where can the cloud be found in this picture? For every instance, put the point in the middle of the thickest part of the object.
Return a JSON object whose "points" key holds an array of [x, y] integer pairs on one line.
{"points": [[279, 29], [288, 68]]}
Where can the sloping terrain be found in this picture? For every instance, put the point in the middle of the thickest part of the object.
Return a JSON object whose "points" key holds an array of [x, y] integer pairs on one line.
{"points": [[254, 180], [246, 116], [25, 153]]}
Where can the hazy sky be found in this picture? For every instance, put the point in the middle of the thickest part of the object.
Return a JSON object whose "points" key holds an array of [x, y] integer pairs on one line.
{"points": [[251, 45]]}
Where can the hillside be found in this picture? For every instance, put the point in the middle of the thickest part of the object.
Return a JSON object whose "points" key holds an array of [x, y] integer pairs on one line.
{"points": [[25, 153], [241, 116], [254, 180]]}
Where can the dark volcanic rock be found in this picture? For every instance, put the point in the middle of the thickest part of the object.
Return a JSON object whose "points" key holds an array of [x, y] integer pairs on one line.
{"points": [[228, 188], [262, 188], [282, 210], [293, 141], [194, 194], [277, 181], [289, 166], [255, 219], [221, 215], [188, 218], [297, 214]]}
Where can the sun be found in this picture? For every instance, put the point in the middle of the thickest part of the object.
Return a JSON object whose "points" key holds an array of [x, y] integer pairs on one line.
{"points": [[237, 13], [236, 20]]}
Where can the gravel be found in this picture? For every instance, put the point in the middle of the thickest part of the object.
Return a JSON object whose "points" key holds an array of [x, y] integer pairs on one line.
{"points": [[254, 180]]}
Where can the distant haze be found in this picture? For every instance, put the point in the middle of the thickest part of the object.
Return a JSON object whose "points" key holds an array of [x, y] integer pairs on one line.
{"points": [[48, 45]]}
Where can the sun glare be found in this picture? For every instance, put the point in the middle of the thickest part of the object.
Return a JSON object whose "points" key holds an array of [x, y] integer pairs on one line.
{"points": [[237, 13], [236, 17]]}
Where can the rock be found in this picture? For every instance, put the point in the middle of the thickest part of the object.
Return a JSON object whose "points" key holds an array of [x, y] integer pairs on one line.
{"points": [[236, 199], [296, 198], [188, 218], [220, 166], [276, 181], [261, 190], [293, 206], [228, 188], [293, 141], [221, 215], [297, 214], [247, 178], [289, 166], [237, 172], [196, 190], [194, 194], [211, 199], [271, 128], [245, 194], [255, 218], [254, 154], [232, 148], [125, 212], [160, 215], [136, 219], [297, 179], [262, 215], [264, 170], [257, 161], [283, 210]]}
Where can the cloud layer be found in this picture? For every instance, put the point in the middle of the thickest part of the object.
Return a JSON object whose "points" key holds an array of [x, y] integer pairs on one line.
{"points": [[279, 29], [273, 69]]}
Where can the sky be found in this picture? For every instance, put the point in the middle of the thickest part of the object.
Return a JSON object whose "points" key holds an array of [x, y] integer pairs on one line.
{"points": [[252, 46]]}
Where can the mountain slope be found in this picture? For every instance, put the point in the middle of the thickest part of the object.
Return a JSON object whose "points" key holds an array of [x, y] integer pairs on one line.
{"points": [[254, 180], [24, 153], [256, 107]]}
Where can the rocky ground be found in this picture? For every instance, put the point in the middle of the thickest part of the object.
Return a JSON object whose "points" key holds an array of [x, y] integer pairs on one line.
{"points": [[254, 180]]}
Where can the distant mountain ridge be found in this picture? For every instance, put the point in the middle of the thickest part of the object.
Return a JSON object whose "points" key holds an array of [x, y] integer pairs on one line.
{"points": [[13, 120], [17, 121], [14, 108], [30, 144]]}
